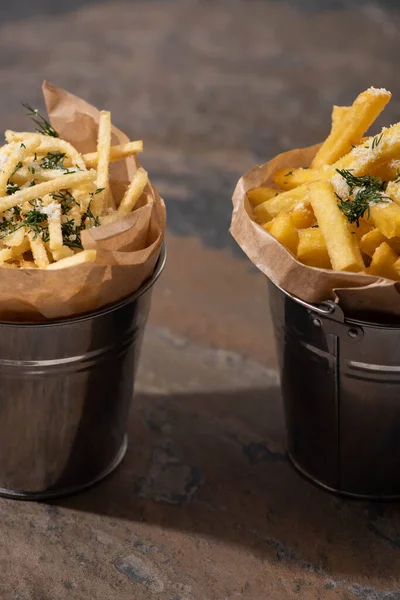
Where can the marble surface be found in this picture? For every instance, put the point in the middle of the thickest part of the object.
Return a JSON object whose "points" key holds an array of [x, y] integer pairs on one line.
{"points": [[205, 505]]}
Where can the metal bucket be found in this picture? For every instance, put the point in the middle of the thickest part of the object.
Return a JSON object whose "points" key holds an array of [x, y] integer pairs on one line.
{"points": [[340, 382], [65, 391]]}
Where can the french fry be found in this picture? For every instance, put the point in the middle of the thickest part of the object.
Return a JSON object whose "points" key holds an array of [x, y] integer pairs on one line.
{"points": [[383, 262], [386, 217], [363, 227], [49, 144], [22, 248], [349, 131], [47, 187], [101, 200], [55, 232], [116, 153], [63, 252], [15, 238], [303, 216], [38, 250], [282, 229], [27, 264], [312, 250], [341, 244], [14, 160], [261, 194], [82, 257], [284, 202], [370, 241], [5, 254], [134, 191]]}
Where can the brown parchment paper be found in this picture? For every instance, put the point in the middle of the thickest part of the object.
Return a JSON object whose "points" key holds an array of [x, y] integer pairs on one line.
{"points": [[127, 250], [356, 293]]}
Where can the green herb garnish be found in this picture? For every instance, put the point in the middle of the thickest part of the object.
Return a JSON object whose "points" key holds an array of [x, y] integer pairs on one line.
{"points": [[368, 190], [53, 160], [42, 125]]}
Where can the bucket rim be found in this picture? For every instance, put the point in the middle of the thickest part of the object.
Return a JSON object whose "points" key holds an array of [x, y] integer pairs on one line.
{"points": [[326, 313], [146, 285]]}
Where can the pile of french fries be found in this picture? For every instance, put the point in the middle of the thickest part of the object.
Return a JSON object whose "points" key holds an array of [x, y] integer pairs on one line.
{"points": [[343, 211], [50, 193]]}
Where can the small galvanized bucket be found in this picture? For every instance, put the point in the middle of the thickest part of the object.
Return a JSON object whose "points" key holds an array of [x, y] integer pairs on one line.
{"points": [[65, 391], [340, 382]]}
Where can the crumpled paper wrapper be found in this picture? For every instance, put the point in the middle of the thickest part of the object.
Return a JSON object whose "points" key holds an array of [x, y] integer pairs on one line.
{"points": [[127, 250], [359, 295]]}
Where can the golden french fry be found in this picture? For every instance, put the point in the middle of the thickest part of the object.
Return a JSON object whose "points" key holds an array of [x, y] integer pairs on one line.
{"points": [[15, 238], [49, 144], [363, 227], [101, 200], [116, 153], [284, 202], [6, 254], [82, 257], [383, 262], [38, 250], [63, 252], [281, 228], [14, 161], [22, 248], [386, 217], [341, 244], [134, 191], [303, 216], [55, 232], [312, 250], [261, 194], [47, 187], [370, 241], [349, 131]]}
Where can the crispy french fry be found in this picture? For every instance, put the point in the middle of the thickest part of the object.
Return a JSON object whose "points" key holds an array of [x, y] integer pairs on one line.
{"points": [[16, 238], [284, 202], [312, 250], [364, 111], [116, 153], [341, 244], [63, 252], [55, 232], [38, 250], [6, 254], [282, 229], [49, 144], [261, 194], [134, 191], [386, 217], [82, 257], [22, 248], [303, 216], [363, 227], [383, 262], [101, 200], [14, 161], [370, 241], [47, 187]]}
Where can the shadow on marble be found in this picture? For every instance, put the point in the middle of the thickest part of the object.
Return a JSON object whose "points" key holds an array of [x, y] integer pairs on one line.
{"points": [[214, 465]]}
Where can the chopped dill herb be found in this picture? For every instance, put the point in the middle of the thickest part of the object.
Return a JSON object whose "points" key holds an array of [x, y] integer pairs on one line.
{"points": [[376, 140], [23, 145], [102, 189], [286, 174], [65, 199], [42, 126], [12, 188], [36, 221], [368, 190], [53, 160], [17, 166]]}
